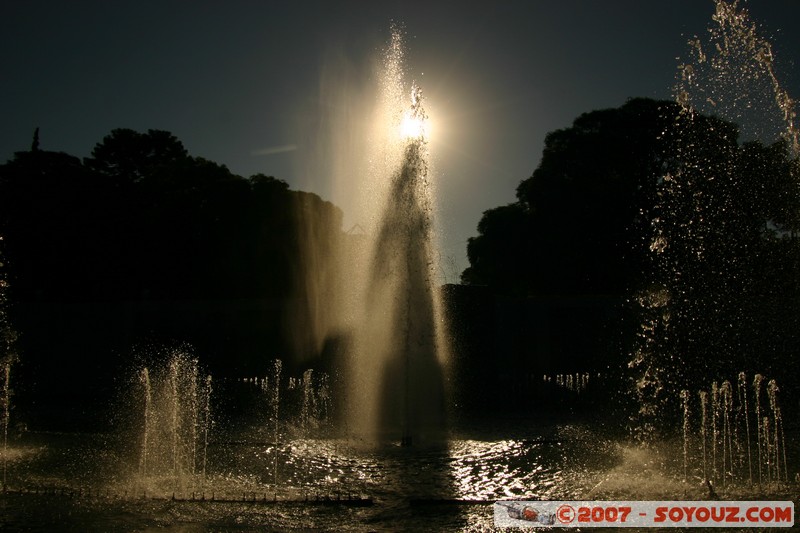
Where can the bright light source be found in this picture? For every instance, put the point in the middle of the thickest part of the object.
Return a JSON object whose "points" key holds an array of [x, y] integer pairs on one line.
{"points": [[412, 127]]}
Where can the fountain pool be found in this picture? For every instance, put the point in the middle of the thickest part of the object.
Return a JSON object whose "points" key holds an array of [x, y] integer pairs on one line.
{"points": [[276, 461], [284, 460], [337, 484]]}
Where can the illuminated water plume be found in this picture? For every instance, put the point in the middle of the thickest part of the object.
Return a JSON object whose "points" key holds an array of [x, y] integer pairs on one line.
{"points": [[397, 387]]}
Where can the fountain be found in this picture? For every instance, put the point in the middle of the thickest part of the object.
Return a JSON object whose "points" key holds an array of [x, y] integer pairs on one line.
{"points": [[725, 459], [285, 451], [8, 357], [176, 419], [6, 403], [399, 349]]}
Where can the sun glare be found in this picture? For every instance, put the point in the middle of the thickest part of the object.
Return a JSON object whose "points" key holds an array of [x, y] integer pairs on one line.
{"points": [[412, 127]]}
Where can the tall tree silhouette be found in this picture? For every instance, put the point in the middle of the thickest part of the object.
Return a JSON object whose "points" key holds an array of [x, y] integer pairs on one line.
{"points": [[131, 155], [35, 142]]}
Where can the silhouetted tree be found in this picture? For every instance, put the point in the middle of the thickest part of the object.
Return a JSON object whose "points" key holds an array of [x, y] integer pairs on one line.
{"points": [[55, 213], [35, 142], [131, 155], [662, 206], [580, 222], [500, 257], [144, 241]]}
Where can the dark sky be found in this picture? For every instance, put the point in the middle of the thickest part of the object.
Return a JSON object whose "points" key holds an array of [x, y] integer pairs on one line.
{"points": [[239, 82]]}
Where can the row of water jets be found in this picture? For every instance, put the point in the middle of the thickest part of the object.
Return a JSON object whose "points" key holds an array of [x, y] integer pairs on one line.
{"points": [[177, 419], [314, 387], [733, 434], [741, 437], [573, 382], [177, 415]]}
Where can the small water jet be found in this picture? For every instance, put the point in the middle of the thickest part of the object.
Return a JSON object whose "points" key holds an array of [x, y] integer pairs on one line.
{"points": [[316, 404], [8, 356], [685, 395], [742, 388], [576, 382], [779, 446], [5, 400], [275, 399]]}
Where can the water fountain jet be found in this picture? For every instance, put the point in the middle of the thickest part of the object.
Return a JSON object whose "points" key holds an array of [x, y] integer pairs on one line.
{"points": [[175, 420], [400, 339], [397, 394]]}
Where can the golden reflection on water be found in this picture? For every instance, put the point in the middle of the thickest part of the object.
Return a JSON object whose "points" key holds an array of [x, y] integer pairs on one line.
{"points": [[462, 469], [499, 469], [406, 485], [567, 463]]}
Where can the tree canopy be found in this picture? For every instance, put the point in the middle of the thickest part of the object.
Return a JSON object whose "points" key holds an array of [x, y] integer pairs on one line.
{"points": [[129, 155], [143, 218], [663, 206], [145, 243]]}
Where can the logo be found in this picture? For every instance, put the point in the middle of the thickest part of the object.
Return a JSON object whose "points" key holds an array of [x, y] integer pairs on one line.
{"points": [[527, 513], [565, 514], [640, 514]]}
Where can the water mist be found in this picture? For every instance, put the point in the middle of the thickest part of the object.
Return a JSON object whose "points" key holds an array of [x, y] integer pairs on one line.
{"points": [[395, 376], [706, 248]]}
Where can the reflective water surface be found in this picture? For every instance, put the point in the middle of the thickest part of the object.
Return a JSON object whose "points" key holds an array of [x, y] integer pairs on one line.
{"points": [[91, 482], [79, 482]]}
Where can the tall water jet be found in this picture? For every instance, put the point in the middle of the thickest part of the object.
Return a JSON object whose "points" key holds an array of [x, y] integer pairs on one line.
{"points": [[715, 410], [308, 407], [397, 387], [726, 405]]}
